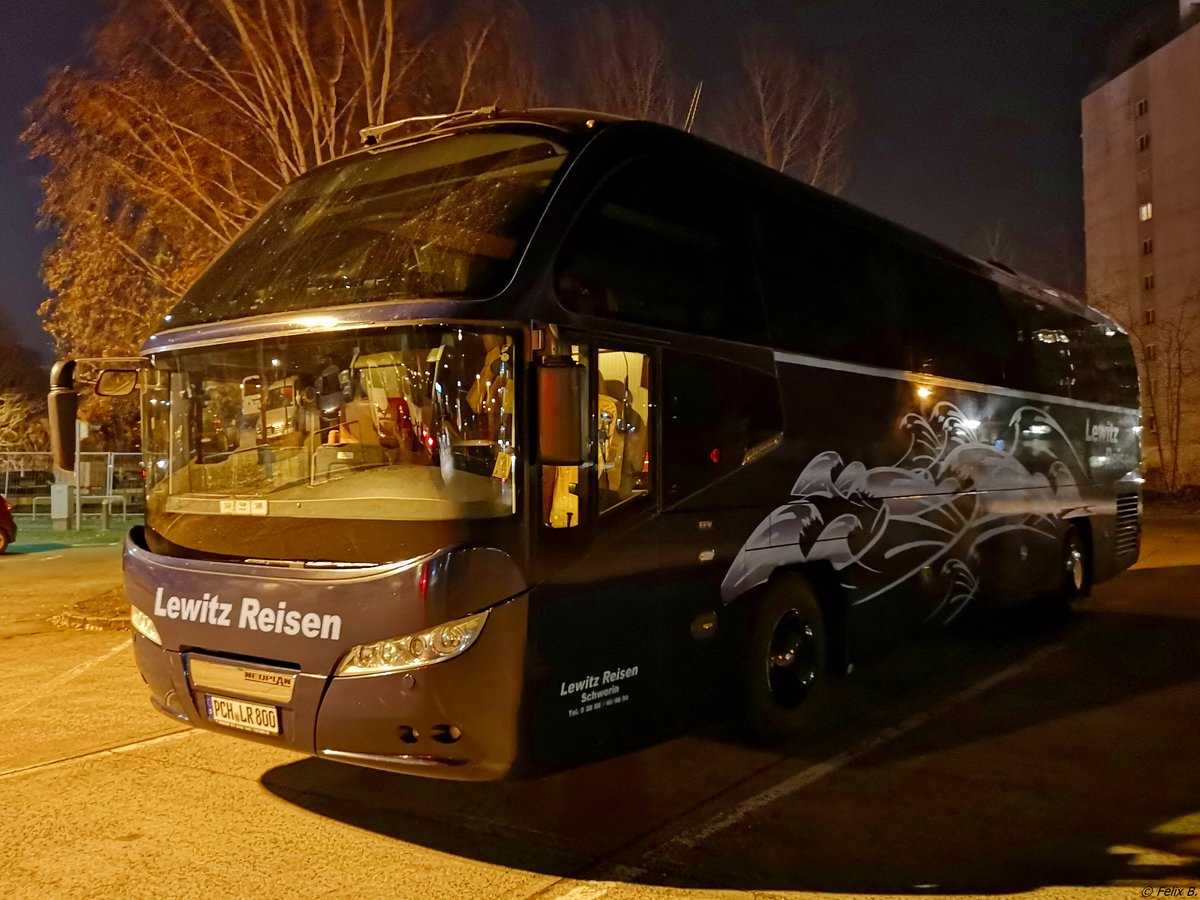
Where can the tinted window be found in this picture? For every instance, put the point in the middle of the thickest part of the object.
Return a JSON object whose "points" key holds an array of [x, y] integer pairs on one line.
{"points": [[1048, 343], [1106, 373], [955, 323], [831, 289], [715, 412], [662, 244], [842, 291]]}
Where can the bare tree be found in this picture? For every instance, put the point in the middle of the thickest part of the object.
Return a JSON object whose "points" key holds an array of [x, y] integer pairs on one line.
{"points": [[197, 111], [22, 400], [1166, 347], [624, 64], [483, 56], [193, 113], [792, 115]]}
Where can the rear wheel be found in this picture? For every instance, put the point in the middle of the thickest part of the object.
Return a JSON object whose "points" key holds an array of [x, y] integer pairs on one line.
{"points": [[1073, 571], [785, 672]]}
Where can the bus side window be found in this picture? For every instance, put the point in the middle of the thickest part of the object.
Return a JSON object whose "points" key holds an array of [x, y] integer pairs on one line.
{"points": [[663, 244], [1105, 371], [832, 289], [715, 411], [623, 426], [956, 324], [1047, 344]]}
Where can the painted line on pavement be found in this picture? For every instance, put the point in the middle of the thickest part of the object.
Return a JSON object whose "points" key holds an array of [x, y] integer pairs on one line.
{"points": [[586, 892], [97, 754], [690, 838], [59, 680]]}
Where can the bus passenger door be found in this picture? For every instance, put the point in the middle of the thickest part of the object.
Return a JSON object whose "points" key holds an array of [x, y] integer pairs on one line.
{"points": [[595, 659]]}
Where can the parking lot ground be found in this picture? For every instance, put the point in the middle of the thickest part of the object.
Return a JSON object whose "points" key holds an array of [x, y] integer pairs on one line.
{"points": [[1010, 756]]}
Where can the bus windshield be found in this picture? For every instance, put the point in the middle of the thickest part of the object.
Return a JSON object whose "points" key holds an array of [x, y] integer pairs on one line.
{"points": [[446, 217], [412, 423]]}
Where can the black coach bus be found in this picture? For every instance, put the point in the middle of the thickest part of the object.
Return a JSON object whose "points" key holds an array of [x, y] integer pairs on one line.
{"points": [[535, 437]]}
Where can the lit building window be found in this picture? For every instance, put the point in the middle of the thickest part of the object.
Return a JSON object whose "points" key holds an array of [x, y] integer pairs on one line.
{"points": [[1146, 212], [1148, 317], [1148, 282], [1147, 247], [1143, 142]]}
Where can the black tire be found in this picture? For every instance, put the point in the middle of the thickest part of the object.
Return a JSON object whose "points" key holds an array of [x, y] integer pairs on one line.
{"points": [[785, 673]]}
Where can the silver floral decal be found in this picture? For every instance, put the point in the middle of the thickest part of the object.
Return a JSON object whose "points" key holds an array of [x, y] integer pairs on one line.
{"points": [[930, 517]]}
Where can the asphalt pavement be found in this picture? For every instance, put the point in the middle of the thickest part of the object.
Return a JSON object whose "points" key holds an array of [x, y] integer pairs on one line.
{"points": [[1006, 756]]}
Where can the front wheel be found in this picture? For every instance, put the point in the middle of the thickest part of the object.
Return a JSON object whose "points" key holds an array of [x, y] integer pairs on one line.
{"points": [[785, 664]]}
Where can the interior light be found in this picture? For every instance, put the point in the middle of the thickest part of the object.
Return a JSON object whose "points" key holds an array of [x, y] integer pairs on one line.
{"points": [[924, 392], [317, 321]]}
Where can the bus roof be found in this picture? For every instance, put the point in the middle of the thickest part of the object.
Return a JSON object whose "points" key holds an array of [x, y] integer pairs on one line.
{"points": [[587, 124]]}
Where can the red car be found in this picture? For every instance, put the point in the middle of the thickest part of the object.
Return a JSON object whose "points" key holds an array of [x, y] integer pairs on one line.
{"points": [[8, 528]]}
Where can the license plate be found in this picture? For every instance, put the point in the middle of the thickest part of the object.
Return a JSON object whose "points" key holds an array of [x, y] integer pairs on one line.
{"points": [[240, 714]]}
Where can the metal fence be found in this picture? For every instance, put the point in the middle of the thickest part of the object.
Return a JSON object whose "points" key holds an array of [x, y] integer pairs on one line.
{"points": [[109, 483], [25, 477]]}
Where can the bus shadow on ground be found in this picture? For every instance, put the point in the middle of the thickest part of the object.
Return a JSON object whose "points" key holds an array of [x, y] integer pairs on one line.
{"points": [[1078, 772]]}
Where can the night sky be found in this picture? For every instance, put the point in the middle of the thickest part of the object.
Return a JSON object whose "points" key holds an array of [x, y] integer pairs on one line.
{"points": [[967, 113]]}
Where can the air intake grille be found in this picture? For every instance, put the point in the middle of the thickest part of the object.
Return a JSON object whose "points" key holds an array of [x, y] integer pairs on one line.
{"points": [[1128, 529]]}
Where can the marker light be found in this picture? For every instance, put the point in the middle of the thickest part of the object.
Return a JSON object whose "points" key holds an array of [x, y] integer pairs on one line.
{"points": [[924, 392], [413, 651], [144, 625]]}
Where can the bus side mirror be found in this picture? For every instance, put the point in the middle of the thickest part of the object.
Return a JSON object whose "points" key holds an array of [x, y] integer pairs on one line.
{"points": [[562, 412], [116, 383], [63, 403]]}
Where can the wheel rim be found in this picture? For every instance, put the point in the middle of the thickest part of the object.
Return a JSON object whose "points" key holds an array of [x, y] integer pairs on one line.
{"points": [[792, 659], [1074, 564]]}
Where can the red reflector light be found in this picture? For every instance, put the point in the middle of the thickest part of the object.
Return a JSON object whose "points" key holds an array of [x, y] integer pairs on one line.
{"points": [[424, 581], [715, 456]]}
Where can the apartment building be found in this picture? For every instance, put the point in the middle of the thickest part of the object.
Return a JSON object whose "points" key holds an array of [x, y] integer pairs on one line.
{"points": [[1141, 174]]}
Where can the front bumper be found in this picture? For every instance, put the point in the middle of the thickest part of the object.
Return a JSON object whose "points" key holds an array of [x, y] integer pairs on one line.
{"points": [[240, 630], [454, 720]]}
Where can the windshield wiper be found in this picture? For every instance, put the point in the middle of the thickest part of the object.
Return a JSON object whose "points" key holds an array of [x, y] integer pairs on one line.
{"points": [[372, 136]]}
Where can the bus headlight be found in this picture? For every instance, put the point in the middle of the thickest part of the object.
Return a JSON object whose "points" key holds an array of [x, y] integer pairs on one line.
{"points": [[413, 651], [144, 625]]}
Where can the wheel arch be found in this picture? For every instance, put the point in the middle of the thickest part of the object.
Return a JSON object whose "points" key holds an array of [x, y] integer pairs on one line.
{"points": [[830, 597]]}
